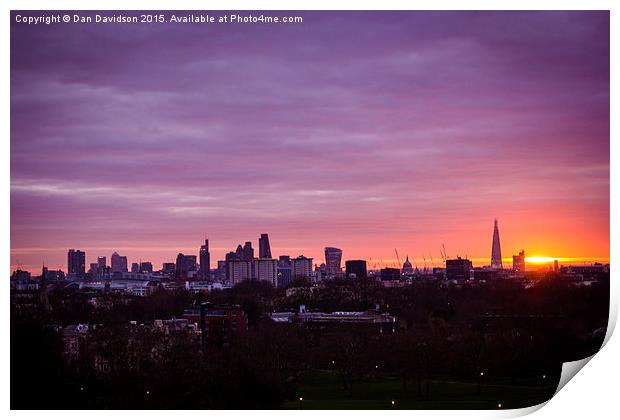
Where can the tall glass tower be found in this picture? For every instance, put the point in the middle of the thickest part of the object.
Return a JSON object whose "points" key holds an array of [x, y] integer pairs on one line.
{"points": [[264, 250], [333, 258], [205, 261], [496, 252]]}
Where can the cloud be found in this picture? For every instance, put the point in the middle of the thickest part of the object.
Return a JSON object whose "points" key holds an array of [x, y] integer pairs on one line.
{"points": [[350, 124]]}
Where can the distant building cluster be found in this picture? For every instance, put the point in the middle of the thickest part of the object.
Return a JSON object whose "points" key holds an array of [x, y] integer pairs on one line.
{"points": [[195, 273]]}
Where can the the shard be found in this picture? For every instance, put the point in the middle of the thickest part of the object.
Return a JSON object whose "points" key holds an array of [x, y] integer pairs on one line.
{"points": [[496, 252]]}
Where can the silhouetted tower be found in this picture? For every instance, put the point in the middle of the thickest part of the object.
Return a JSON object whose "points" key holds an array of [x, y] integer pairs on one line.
{"points": [[264, 250], [76, 262], [333, 260], [496, 252], [205, 261], [248, 251]]}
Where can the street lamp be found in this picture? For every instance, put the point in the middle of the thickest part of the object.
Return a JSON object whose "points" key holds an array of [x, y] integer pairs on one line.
{"points": [[301, 399]]}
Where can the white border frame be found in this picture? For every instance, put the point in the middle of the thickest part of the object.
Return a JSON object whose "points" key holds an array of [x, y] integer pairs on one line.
{"points": [[592, 394]]}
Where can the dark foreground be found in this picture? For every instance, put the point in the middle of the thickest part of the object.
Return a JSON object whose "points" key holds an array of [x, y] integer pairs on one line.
{"points": [[324, 392], [452, 348]]}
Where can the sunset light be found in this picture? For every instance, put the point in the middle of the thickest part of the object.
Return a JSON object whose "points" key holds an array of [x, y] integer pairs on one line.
{"points": [[540, 260], [306, 210], [136, 199]]}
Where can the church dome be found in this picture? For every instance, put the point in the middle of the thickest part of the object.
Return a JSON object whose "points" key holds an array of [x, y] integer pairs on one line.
{"points": [[407, 264]]}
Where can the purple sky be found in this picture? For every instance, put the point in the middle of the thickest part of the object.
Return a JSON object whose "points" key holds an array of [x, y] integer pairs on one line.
{"points": [[365, 131]]}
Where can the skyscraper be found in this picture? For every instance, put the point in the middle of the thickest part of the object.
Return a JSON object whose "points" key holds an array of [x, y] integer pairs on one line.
{"points": [[205, 261], [76, 262], [184, 265], [496, 252], [264, 250], [146, 267], [284, 271], [518, 262], [333, 260], [118, 263], [248, 251], [101, 264]]}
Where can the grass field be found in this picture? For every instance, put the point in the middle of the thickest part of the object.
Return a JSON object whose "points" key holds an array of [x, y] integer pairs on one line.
{"points": [[324, 391]]}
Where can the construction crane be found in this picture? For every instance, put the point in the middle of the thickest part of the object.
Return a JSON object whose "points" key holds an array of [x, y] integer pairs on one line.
{"points": [[445, 254], [397, 258], [432, 262]]}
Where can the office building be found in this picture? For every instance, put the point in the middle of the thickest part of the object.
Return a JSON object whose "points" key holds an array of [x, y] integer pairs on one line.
{"points": [[356, 268], [76, 263], [205, 262], [101, 265], [118, 263], [390, 274], [284, 271], [146, 267], [248, 251], [185, 266], [168, 268], [220, 272], [333, 261], [135, 267], [518, 262], [94, 269], [264, 250], [458, 270]]}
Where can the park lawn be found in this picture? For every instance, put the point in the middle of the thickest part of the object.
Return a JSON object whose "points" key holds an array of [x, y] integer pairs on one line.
{"points": [[325, 392]]}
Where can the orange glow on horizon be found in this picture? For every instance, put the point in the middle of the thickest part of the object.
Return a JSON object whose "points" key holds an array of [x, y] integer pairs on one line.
{"points": [[541, 260]]}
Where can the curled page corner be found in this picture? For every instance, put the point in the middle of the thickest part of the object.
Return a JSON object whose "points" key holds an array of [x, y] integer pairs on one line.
{"points": [[521, 412], [570, 369]]}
